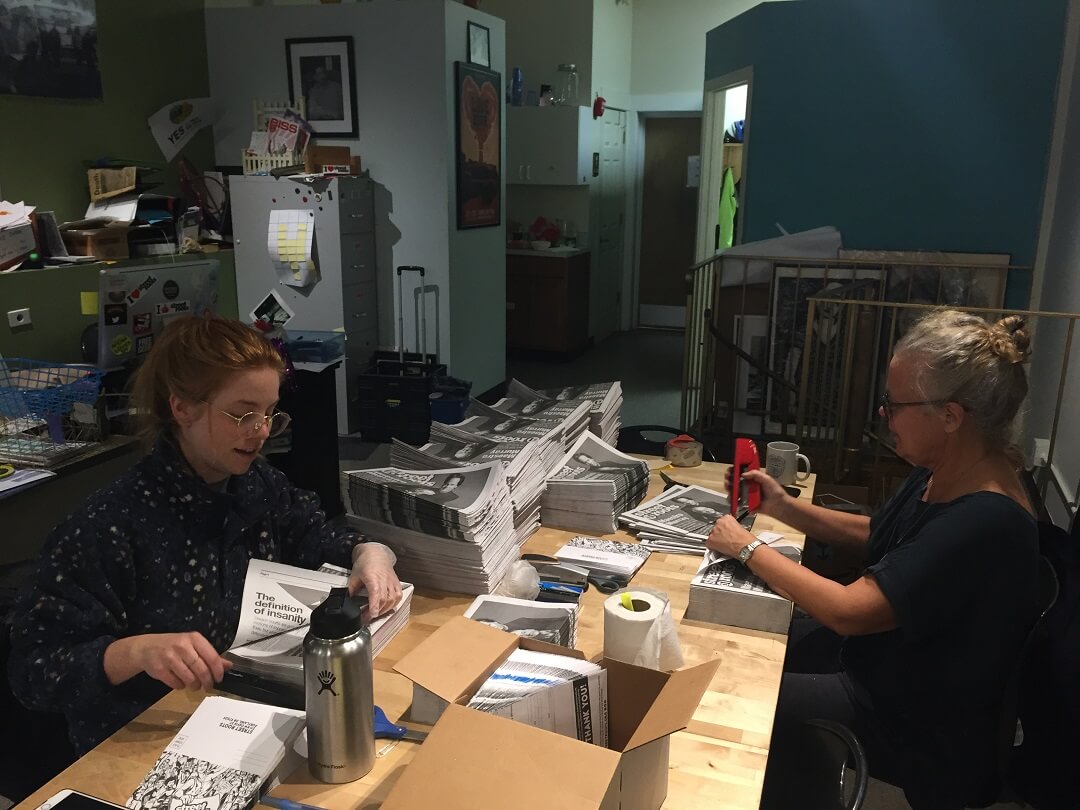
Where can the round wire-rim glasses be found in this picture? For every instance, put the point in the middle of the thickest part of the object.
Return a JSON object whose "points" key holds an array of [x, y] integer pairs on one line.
{"points": [[251, 423]]}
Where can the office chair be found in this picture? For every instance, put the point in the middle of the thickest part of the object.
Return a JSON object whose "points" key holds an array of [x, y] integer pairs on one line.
{"points": [[632, 439], [823, 783], [1007, 788]]}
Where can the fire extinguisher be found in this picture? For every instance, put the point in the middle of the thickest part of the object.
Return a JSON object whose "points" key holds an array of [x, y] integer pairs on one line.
{"points": [[598, 107]]}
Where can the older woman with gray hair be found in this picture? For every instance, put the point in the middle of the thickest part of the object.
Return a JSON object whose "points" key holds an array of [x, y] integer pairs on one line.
{"points": [[924, 641]]}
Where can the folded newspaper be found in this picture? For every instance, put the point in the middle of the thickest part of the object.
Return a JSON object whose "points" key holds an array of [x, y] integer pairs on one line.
{"points": [[274, 615], [224, 757], [677, 520]]}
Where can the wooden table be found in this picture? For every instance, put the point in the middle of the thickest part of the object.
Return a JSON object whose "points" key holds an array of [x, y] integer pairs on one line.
{"points": [[717, 762]]}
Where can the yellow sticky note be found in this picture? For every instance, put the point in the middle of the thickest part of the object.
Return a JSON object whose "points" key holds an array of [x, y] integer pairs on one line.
{"points": [[295, 266], [88, 302]]}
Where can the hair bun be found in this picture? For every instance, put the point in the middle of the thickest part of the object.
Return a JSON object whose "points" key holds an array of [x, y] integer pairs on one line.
{"points": [[1009, 339]]}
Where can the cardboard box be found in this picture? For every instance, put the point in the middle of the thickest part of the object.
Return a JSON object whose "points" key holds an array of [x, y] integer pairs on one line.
{"points": [[15, 243], [105, 242], [338, 159], [477, 761]]}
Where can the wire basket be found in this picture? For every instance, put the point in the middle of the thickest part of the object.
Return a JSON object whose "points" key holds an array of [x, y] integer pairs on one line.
{"points": [[38, 390], [47, 411]]}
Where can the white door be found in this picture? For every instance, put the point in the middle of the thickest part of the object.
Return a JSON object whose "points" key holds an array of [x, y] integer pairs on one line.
{"points": [[713, 120], [607, 268]]}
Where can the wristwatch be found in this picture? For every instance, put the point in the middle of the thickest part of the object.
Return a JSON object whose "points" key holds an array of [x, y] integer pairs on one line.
{"points": [[746, 551]]}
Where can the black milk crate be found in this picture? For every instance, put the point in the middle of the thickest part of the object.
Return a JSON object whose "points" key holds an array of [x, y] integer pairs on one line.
{"points": [[394, 397]]}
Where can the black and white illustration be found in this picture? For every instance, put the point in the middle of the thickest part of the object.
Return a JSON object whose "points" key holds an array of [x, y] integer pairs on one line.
{"points": [[182, 781], [604, 556], [49, 48]]}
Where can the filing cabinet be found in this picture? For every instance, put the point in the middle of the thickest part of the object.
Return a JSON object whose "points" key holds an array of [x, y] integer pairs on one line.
{"points": [[345, 297]]}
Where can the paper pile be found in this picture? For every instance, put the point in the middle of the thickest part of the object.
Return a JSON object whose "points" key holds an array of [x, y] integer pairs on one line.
{"points": [[605, 556], [553, 622], [724, 591], [16, 234], [594, 484], [451, 529], [678, 520], [606, 398], [523, 462]]}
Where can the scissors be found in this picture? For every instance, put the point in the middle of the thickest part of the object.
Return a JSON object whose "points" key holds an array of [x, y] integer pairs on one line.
{"points": [[602, 581], [384, 729]]}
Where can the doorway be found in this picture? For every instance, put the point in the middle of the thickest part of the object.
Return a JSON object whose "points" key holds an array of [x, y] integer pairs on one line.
{"points": [[606, 287], [725, 145], [669, 202]]}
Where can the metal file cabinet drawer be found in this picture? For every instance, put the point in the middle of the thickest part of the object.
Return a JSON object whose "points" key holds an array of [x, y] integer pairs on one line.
{"points": [[356, 214], [357, 259], [359, 307]]}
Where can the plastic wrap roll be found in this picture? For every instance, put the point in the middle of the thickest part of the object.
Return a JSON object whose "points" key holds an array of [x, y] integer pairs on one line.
{"points": [[634, 635]]}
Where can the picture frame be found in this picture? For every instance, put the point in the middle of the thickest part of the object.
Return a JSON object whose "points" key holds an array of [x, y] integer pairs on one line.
{"points": [[478, 44], [478, 114], [791, 289], [323, 71]]}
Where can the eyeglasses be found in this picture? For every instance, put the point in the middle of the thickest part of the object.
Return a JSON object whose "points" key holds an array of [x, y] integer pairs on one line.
{"points": [[888, 406], [251, 423]]}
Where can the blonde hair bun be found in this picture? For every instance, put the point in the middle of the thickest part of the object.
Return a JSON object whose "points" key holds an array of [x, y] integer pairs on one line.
{"points": [[1009, 339]]}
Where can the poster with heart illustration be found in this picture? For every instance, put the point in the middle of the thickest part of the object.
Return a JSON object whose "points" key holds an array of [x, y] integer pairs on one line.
{"points": [[479, 146]]}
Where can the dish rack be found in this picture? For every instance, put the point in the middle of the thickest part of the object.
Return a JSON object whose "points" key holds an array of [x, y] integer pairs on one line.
{"points": [[47, 411]]}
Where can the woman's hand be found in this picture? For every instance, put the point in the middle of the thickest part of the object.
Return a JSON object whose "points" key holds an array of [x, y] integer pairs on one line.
{"points": [[178, 660], [728, 537], [773, 496], [373, 568]]}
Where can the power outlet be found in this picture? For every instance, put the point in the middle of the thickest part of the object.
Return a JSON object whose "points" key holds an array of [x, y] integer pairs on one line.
{"points": [[18, 317], [1040, 452]]}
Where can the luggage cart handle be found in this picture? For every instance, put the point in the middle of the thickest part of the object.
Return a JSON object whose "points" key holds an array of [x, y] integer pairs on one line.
{"points": [[410, 268], [402, 269]]}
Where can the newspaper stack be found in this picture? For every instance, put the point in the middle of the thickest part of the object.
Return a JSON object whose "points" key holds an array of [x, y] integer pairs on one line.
{"points": [[554, 437], [606, 398], [555, 692], [451, 529], [520, 400], [450, 447], [724, 591], [553, 622], [678, 520], [594, 484]]}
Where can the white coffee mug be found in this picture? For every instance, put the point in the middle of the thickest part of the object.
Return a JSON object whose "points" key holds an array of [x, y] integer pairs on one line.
{"points": [[782, 462]]}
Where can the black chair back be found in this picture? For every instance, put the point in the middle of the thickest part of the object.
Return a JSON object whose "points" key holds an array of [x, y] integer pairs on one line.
{"points": [[632, 439], [823, 783]]}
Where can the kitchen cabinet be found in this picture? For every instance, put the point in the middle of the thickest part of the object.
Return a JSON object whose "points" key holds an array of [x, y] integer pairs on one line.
{"points": [[547, 301], [548, 146]]}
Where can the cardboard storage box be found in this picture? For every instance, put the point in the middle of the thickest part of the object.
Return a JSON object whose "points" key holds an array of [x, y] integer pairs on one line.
{"points": [[108, 242], [339, 159], [477, 761], [15, 243]]}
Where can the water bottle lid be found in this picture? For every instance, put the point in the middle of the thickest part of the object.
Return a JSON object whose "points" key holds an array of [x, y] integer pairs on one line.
{"points": [[339, 616]]}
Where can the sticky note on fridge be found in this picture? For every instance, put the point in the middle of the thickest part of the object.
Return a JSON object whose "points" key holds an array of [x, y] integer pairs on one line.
{"points": [[88, 302]]}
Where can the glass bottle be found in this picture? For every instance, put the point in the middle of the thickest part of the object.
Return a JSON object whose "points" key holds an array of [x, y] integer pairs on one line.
{"points": [[568, 85]]}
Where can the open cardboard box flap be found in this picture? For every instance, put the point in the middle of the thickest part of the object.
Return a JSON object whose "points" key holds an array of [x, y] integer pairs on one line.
{"points": [[461, 654], [667, 709], [517, 761]]}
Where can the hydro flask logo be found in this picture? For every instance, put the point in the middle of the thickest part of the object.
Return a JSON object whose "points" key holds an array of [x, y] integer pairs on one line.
{"points": [[327, 678]]}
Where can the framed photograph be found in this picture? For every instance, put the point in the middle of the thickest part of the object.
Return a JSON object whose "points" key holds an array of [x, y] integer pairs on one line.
{"points": [[49, 49], [322, 70], [479, 44], [479, 146], [752, 336]]}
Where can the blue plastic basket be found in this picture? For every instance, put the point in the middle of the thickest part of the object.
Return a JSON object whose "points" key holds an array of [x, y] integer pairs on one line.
{"points": [[40, 390]]}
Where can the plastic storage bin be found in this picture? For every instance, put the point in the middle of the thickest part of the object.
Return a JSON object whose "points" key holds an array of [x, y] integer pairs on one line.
{"points": [[315, 347]]}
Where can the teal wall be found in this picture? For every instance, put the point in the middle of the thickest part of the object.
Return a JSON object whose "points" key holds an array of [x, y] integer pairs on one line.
{"points": [[150, 53], [53, 297], [922, 124]]}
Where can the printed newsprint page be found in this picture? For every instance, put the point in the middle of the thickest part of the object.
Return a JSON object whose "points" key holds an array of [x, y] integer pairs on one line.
{"points": [[275, 611]]}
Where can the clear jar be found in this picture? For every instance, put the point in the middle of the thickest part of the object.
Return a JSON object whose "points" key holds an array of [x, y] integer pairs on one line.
{"points": [[568, 85]]}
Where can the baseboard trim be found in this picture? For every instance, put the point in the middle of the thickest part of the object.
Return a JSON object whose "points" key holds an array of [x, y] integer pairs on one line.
{"points": [[666, 317]]}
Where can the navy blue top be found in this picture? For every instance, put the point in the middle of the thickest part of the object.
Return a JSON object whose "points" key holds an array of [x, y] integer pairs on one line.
{"points": [[962, 578], [157, 551]]}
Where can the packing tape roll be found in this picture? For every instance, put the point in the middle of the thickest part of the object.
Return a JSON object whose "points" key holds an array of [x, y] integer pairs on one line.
{"points": [[683, 451], [634, 635]]}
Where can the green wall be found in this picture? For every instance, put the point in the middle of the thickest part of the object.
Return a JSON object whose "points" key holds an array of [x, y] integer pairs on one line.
{"points": [[52, 295], [150, 53]]}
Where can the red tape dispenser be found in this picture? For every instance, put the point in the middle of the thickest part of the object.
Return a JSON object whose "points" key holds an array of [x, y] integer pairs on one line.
{"points": [[745, 495]]}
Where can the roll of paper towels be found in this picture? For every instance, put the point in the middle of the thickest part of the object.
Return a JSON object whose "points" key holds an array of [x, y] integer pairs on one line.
{"points": [[644, 635]]}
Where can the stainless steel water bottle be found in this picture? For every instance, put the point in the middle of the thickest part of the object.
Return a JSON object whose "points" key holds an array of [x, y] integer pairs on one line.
{"points": [[338, 691]]}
